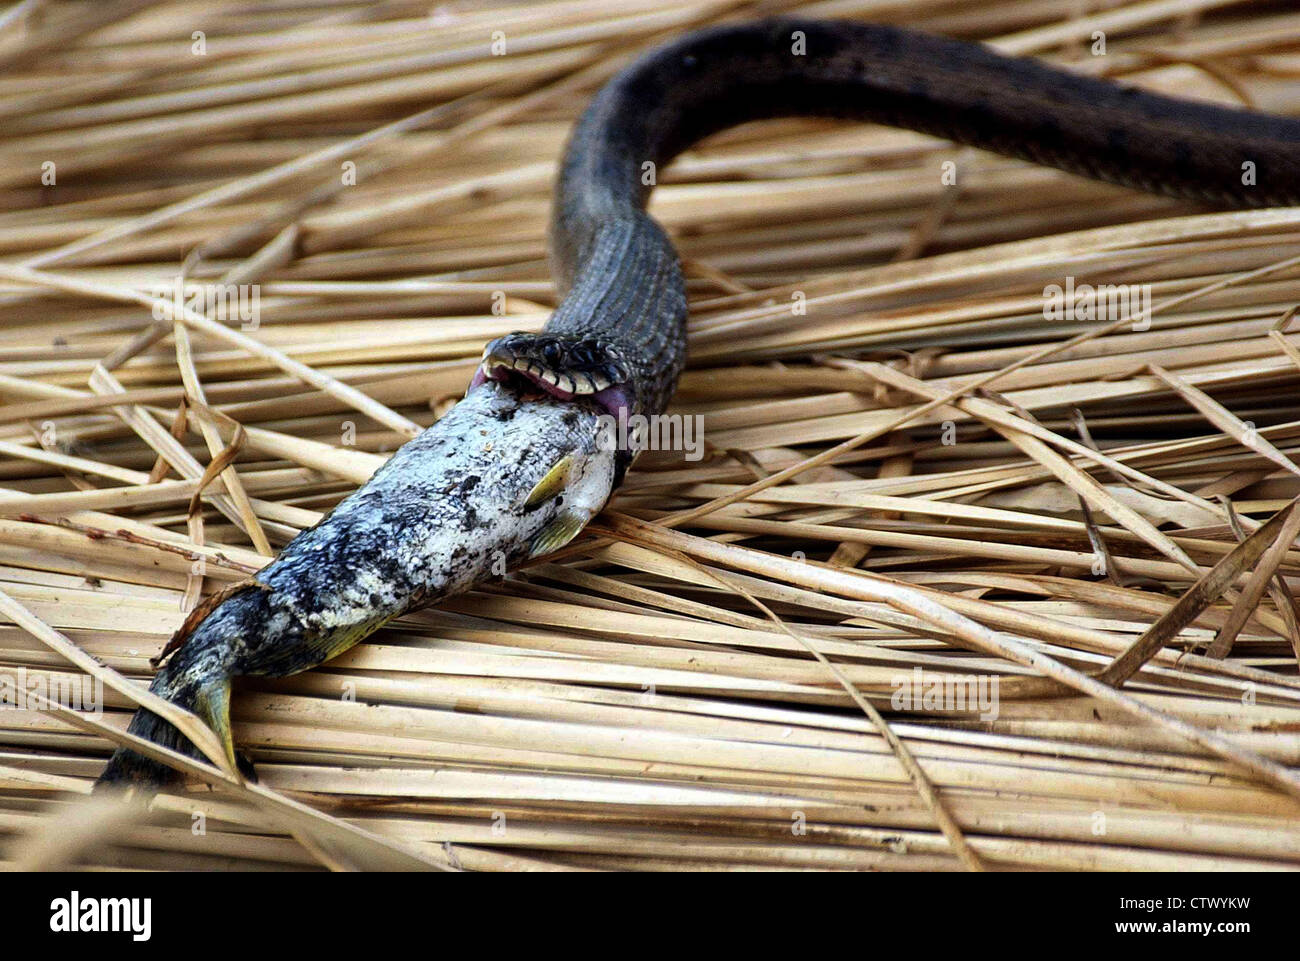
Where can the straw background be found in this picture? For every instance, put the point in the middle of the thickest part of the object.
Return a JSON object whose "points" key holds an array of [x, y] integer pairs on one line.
{"points": [[1099, 517]]}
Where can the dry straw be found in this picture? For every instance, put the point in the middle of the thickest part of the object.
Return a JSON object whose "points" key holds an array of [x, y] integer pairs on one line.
{"points": [[919, 477]]}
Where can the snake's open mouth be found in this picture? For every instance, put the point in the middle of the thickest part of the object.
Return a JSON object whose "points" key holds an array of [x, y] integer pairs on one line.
{"points": [[558, 367]]}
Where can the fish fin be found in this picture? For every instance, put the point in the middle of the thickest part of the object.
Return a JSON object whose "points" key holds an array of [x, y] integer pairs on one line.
{"points": [[558, 532], [553, 484], [211, 703]]}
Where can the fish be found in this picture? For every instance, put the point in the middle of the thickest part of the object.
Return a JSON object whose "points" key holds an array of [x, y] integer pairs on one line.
{"points": [[507, 474]]}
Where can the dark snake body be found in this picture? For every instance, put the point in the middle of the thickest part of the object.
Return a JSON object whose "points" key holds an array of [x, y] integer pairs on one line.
{"points": [[620, 271], [516, 468]]}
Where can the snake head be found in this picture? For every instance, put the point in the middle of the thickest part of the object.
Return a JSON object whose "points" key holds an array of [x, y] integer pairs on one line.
{"points": [[561, 367]]}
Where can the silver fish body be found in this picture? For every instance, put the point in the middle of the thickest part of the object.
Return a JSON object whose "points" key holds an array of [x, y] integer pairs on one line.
{"points": [[502, 476]]}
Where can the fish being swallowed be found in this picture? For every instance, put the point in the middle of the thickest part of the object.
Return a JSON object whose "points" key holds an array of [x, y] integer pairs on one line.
{"points": [[506, 475], [518, 467]]}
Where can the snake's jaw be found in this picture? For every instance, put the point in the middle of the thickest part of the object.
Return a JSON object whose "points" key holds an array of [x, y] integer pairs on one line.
{"points": [[571, 369], [566, 368]]}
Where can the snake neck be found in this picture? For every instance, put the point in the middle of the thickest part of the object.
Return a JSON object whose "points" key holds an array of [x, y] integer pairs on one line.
{"points": [[622, 281]]}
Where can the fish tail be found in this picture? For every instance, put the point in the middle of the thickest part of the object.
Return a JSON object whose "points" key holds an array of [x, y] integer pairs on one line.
{"points": [[208, 699], [206, 653]]}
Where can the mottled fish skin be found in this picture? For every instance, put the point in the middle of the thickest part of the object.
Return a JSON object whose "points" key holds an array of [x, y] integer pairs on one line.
{"points": [[435, 518], [449, 510]]}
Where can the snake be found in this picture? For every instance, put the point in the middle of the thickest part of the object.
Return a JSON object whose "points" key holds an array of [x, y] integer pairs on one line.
{"points": [[527, 458]]}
